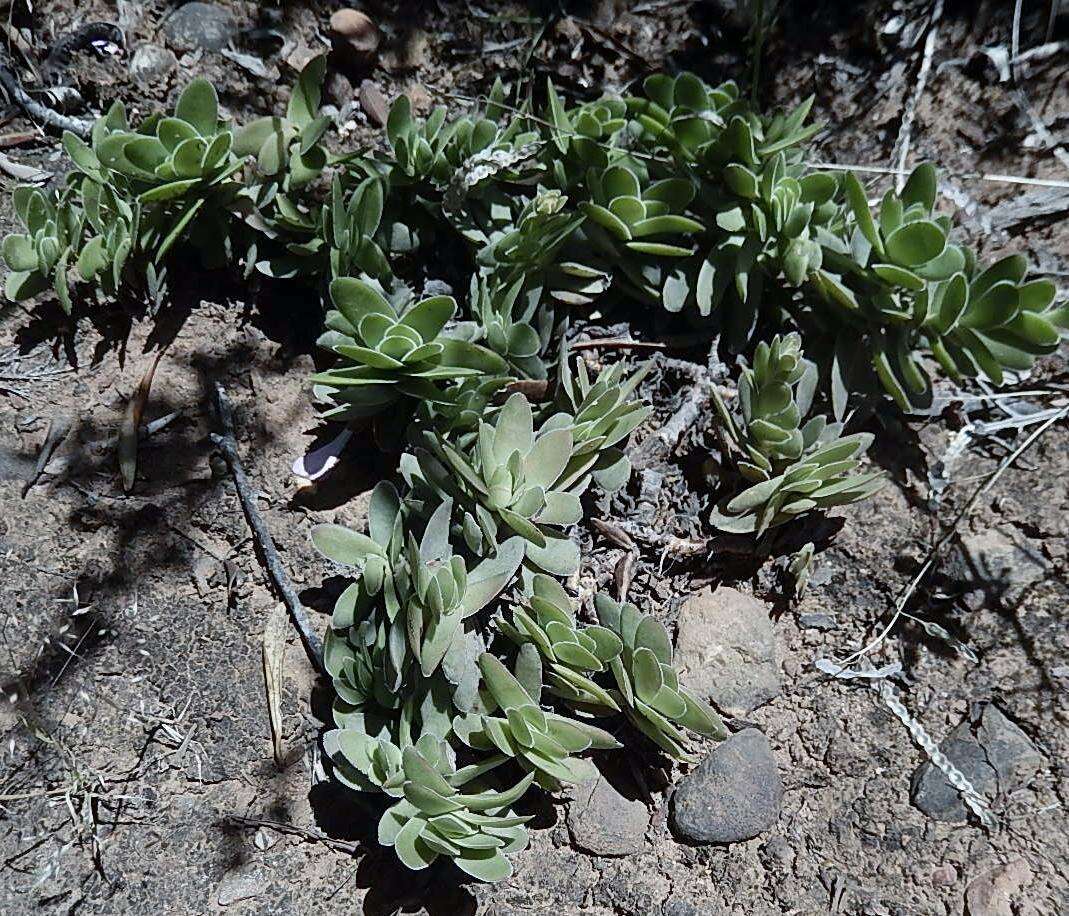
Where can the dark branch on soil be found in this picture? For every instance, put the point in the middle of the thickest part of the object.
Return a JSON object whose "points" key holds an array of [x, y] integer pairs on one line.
{"points": [[293, 830], [269, 558], [58, 428], [13, 87], [658, 445]]}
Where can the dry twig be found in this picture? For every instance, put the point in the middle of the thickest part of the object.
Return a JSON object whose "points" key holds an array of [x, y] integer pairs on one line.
{"points": [[276, 572], [293, 830], [669, 543], [1022, 99], [659, 444], [60, 122], [274, 654], [615, 343], [58, 428], [909, 115]]}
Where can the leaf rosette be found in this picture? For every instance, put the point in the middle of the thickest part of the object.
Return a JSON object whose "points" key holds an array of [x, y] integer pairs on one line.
{"points": [[385, 354]]}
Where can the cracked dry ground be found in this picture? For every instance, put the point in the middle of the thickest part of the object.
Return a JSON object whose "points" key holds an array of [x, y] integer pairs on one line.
{"points": [[137, 735]]}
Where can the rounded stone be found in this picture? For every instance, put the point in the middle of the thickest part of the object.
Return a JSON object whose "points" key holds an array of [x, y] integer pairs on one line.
{"points": [[203, 26], [604, 822], [151, 63], [726, 650], [356, 33], [734, 795]]}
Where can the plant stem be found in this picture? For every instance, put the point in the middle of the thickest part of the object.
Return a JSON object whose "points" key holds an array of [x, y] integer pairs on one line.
{"points": [[276, 572]]}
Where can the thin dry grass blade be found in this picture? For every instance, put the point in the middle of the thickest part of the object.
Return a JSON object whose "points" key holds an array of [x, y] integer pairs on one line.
{"points": [[274, 653]]}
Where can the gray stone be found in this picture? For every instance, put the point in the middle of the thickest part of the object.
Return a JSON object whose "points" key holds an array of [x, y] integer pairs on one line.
{"points": [[1009, 750], [206, 26], [734, 794], [990, 751], [818, 621], [151, 63], [726, 650], [999, 565], [603, 822], [938, 798], [241, 883]]}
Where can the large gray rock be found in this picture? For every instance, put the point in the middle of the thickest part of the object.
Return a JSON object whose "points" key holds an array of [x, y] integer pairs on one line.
{"points": [[990, 751], [734, 794], [605, 823], [726, 650], [204, 26]]}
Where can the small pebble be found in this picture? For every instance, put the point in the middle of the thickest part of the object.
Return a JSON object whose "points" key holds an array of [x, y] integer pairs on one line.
{"points": [[374, 103]]}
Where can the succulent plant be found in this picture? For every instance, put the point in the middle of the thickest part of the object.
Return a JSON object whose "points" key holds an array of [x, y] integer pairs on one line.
{"points": [[622, 665], [583, 135], [340, 238], [824, 477], [680, 196], [387, 354], [349, 228], [165, 157], [504, 321], [41, 255], [457, 156], [902, 278], [760, 203], [773, 395], [516, 480], [794, 468], [288, 148], [768, 211], [475, 829], [536, 241], [408, 608], [800, 568], [682, 114], [135, 192], [647, 688], [639, 213], [640, 226], [366, 762], [572, 655], [601, 414], [432, 817], [541, 742]]}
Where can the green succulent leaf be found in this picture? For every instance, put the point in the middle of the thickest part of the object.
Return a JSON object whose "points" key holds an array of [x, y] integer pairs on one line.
{"points": [[198, 106]]}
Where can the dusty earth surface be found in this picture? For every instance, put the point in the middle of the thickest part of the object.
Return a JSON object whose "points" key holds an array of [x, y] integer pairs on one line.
{"points": [[136, 766]]}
